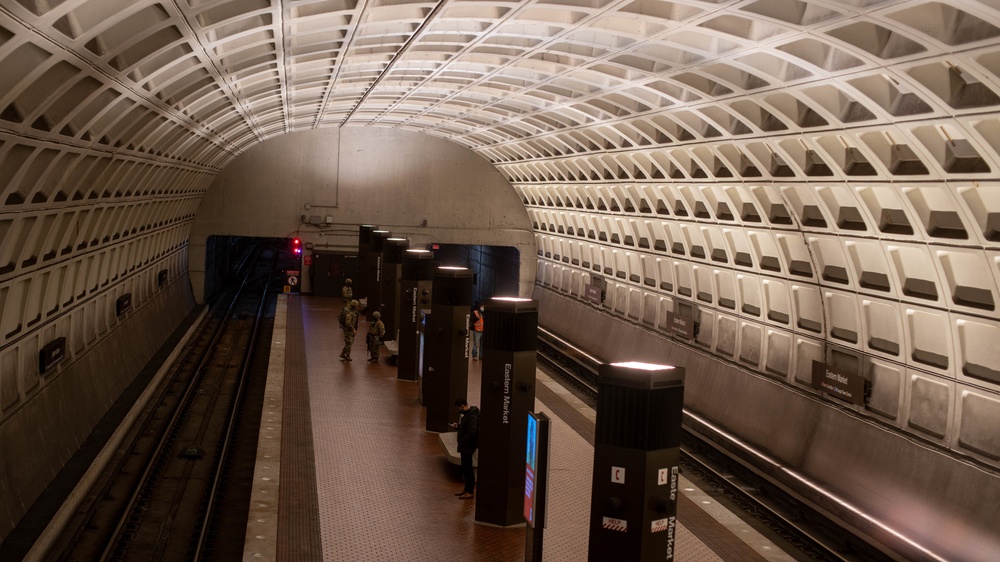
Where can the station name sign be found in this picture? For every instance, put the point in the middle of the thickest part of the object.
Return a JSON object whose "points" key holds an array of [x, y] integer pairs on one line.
{"points": [[680, 325], [593, 293], [846, 386], [123, 304], [52, 353]]}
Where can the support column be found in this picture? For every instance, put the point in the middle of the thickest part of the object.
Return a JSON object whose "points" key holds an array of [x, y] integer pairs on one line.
{"points": [[415, 287], [362, 279], [374, 289], [446, 357], [636, 454], [392, 263], [507, 395]]}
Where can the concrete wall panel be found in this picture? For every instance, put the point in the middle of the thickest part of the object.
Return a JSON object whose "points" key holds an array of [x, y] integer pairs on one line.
{"points": [[40, 437], [851, 464]]}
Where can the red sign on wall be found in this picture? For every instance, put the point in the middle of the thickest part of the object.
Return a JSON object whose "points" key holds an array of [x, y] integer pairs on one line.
{"points": [[307, 259]]}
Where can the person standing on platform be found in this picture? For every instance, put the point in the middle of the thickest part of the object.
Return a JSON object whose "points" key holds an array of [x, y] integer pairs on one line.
{"points": [[477, 332], [346, 292], [349, 323], [468, 442], [376, 331]]}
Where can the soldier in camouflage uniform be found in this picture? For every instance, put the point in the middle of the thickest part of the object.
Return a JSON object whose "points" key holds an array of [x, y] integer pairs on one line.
{"points": [[349, 323], [346, 292], [376, 331]]}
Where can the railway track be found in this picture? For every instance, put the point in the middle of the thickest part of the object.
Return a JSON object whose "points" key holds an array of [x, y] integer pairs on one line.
{"points": [[158, 502], [811, 535]]}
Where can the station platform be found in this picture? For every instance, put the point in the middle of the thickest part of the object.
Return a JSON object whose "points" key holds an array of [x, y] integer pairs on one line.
{"points": [[346, 471]]}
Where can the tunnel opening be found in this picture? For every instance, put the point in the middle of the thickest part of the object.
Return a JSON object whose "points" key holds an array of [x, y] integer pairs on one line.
{"points": [[225, 254]]}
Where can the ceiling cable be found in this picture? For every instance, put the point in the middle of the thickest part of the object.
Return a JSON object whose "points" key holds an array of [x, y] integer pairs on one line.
{"points": [[388, 68]]}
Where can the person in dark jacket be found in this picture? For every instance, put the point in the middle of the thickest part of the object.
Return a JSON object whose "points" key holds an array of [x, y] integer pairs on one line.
{"points": [[468, 442]]}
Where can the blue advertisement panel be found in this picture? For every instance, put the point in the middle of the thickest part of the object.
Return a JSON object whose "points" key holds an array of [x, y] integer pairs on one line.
{"points": [[531, 469]]}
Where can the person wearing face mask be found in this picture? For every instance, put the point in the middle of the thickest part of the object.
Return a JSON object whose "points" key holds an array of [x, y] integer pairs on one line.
{"points": [[346, 292], [477, 332]]}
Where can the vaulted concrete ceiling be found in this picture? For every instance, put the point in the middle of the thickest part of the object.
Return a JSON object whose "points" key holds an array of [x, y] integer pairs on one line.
{"points": [[827, 82], [816, 176]]}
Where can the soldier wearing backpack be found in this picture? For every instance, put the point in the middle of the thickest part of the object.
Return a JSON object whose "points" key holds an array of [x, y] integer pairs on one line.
{"points": [[349, 323], [376, 331]]}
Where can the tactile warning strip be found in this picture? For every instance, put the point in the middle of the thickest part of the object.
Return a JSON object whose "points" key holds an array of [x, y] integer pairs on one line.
{"points": [[714, 534], [298, 512]]}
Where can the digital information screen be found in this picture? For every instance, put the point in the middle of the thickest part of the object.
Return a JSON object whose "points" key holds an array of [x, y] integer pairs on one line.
{"points": [[531, 469]]}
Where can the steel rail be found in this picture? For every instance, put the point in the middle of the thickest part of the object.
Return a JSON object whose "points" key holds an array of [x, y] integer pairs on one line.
{"points": [[167, 434], [231, 422]]}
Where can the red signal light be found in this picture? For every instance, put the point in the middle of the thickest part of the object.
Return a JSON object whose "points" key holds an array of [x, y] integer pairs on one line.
{"points": [[296, 246]]}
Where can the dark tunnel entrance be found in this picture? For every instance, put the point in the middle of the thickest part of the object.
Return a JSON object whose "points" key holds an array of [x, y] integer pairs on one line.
{"points": [[225, 254]]}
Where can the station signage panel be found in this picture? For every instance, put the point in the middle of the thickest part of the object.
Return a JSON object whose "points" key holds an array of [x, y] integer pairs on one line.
{"points": [[593, 293], [840, 384], [52, 353], [680, 325], [123, 304], [292, 280]]}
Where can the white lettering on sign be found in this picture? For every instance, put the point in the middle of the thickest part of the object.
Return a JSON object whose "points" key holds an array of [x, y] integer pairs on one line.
{"points": [[836, 377], [413, 311], [467, 336], [615, 524], [618, 475], [845, 386], [660, 525], [673, 482], [671, 530], [506, 392], [593, 293]]}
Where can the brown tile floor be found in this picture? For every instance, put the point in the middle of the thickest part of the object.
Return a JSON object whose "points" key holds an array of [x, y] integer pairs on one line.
{"points": [[383, 489]]}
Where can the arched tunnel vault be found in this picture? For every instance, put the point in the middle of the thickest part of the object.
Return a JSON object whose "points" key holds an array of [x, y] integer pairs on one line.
{"points": [[416, 186], [814, 180]]}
